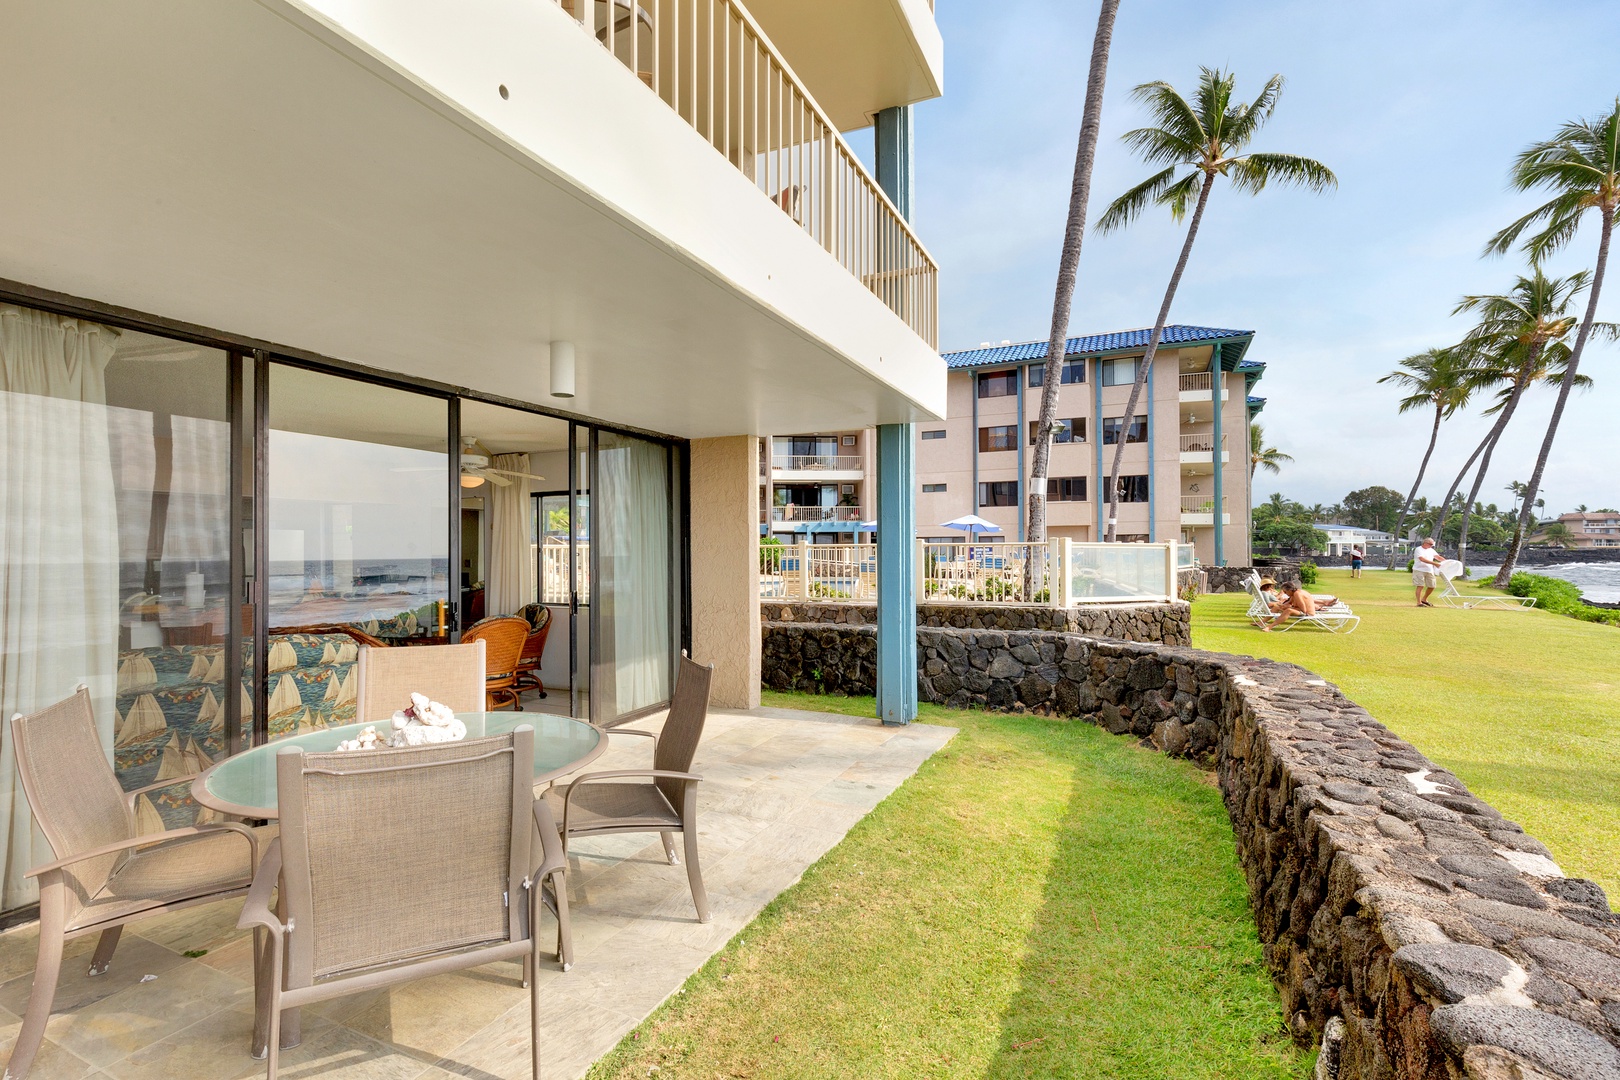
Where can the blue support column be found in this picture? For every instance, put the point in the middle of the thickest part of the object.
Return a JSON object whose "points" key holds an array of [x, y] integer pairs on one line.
{"points": [[896, 575], [1217, 383], [893, 147]]}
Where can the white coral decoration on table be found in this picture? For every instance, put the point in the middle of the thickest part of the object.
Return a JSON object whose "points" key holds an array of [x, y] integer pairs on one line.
{"points": [[426, 722], [368, 739]]}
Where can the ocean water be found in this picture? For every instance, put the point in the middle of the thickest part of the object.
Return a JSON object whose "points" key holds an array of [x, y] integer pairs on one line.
{"points": [[1598, 582]]}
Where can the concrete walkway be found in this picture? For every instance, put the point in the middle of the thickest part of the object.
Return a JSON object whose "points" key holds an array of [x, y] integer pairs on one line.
{"points": [[780, 789]]}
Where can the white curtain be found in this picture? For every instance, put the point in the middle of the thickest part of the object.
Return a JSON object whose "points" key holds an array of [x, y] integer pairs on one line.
{"points": [[511, 550], [58, 545], [633, 507]]}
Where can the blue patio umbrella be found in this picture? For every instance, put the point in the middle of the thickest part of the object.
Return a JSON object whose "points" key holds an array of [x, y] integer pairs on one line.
{"points": [[972, 524], [867, 526]]}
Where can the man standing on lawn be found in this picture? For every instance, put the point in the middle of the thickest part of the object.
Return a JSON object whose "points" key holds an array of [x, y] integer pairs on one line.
{"points": [[1426, 571]]}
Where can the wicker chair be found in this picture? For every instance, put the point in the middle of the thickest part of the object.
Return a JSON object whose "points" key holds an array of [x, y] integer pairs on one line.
{"points": [[534, 648], [599, 803], [105, 874], [428, 894], [452, 674], [504, 637]]}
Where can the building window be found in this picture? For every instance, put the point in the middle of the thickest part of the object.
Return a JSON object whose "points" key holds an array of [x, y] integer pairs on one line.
{"points": [[1122, 371], [1068, 431], [1133, 489], [998, 384], [1112, 426], [846, 489], [1074, 371], [1066, 488], [933, 489], [937, 433], [1001, 437], [998, 493]]}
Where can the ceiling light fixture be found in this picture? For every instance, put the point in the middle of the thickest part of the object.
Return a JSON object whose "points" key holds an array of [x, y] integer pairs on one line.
{"points": [[468, 480], [562, 369]]}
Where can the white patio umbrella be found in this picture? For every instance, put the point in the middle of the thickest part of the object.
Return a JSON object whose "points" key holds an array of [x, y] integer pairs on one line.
{"points": [[867, 526], [972, 524]]}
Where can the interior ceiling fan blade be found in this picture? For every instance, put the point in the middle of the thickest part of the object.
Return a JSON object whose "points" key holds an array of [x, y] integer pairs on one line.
{"points": [[514, 472], [498, 481]]}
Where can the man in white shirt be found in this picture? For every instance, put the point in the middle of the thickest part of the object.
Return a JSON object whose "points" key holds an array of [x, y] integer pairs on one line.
{"points": [[1426, 571]]}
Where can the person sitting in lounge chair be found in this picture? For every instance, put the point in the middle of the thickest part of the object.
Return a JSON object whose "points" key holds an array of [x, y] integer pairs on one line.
{"points": [[1293, 601]]}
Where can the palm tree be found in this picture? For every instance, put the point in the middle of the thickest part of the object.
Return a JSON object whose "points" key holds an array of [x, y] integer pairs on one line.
{"points": [[1435, 378], [1262, 456], [1518, 342], [1581, 166], [1200, 140], [1068, 268], [1557, 535]]}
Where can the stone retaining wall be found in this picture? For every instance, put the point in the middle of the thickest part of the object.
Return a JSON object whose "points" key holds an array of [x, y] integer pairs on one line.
{"points": [[1407, 923], [1167, 623]]}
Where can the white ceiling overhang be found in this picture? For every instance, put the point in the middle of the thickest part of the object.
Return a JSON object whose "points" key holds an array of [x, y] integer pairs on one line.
{"points": [[357, 191]]}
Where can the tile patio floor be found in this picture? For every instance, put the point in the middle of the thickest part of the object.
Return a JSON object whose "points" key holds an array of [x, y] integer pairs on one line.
{"points": [[780, 789]]}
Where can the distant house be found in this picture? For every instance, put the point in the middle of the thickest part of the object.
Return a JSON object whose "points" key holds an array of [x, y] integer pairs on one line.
{"points": [[1341, 538], [1590, 530]]}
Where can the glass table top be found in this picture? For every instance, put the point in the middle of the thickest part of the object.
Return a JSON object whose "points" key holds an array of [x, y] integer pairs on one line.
{"points": [[246, 783]]}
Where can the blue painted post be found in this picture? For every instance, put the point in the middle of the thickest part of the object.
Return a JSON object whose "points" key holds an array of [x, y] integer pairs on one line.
{"points": [[1153, 480], [896, 575], [1217, 382], [894, 156]]}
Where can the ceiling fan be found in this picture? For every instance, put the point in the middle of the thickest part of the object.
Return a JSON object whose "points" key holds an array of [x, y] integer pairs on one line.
{"points": [[476, 467]]}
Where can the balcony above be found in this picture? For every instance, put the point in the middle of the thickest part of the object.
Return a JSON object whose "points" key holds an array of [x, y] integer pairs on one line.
{"points": [[1198, 389], [1198, 510], [1200, 450], [442, 189], [799, 468], [797, 514]]}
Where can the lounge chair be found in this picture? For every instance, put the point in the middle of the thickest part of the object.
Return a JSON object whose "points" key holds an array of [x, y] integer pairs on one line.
{"points": [[1336, 618], [1451, 570]]}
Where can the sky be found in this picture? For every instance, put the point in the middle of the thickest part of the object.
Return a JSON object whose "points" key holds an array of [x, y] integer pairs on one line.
{"points": [[1418, 107]]}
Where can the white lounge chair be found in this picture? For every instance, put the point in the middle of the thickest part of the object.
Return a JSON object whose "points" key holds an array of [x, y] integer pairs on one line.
{"points": [[1451, 570], [1336, 618]]}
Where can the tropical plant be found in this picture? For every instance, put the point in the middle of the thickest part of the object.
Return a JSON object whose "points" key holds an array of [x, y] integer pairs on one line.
{"points": [[1581, 167], [1434, 379], [1556, 534], [1369, 508], [1068, 268], [1196, 142], [1262, 456], [1517, 343]]}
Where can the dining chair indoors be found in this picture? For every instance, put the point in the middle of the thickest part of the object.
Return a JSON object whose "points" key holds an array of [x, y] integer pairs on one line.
{"points": [[662, 799], [105, 874], [504, 637], [451, 674], [374, 891]]}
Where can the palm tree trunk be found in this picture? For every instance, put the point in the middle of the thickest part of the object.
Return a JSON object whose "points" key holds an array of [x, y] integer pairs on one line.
{"points": [[1489, 440], [1423, 467], [1490, 448], [1146, 369], [1068, 268], [1527, 511]]}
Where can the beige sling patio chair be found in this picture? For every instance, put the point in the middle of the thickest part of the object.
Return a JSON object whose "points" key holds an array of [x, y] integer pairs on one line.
{"points": [[596, 804], [400, 864], [1451, 570], [451, 674], [1335, 618], [106, 874]]}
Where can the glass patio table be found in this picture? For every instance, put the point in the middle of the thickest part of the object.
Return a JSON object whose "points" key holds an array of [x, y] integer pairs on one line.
{"points": [[245, 784]]}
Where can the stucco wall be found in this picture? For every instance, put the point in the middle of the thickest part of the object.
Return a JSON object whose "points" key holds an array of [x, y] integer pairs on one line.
{"points": [[725, 566]]}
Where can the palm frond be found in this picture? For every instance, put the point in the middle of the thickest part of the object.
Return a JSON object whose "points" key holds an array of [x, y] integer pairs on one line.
{"points": [[1241, 128], [1252, 172], [1180, 195], [1156, 146], [1125, 209], [1171, 112]]}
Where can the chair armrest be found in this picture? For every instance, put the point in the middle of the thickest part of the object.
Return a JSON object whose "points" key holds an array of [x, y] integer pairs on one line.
{"points": [[656, 774], [131, 796], [552, 859], [653, 735], [152, 840], [256, 908]]}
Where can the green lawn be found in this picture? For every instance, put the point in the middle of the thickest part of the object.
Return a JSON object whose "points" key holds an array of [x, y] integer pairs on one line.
{"points": [[1041, 900], [1524, 706]]}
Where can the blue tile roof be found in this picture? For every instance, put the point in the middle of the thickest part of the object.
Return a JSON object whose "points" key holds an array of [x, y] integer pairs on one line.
{"points": [[1174, 334]]}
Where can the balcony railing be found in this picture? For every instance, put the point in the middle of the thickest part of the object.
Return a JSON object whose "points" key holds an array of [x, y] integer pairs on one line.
{"points": [[816, 513], [1200, 381], [829, 462], [1202, 443], [1198, 504], [711, 63]]}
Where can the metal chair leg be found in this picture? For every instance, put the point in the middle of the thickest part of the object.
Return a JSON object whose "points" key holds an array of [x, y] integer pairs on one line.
{"points": [[46, 971], [104, 950], [669, 849], [693, 875]]}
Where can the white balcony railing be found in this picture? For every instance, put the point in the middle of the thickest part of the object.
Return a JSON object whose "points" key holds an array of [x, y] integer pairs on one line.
{"points": [[1202, 443], [816, 513], [1200, 381], [1198, 504], [553, 555], [820, 462], [711, 63]]}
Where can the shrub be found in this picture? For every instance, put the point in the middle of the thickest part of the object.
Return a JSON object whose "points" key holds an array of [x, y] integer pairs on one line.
{"points": [[1559, 597], [1307, 573]]}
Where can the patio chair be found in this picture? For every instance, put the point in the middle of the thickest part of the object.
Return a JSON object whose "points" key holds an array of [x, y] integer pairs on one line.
{"points": [[381, 892], [105, 874], [452, 674], [534, 648], [1336, 618], [504, 637], [1451, 570], [596, 804]]}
